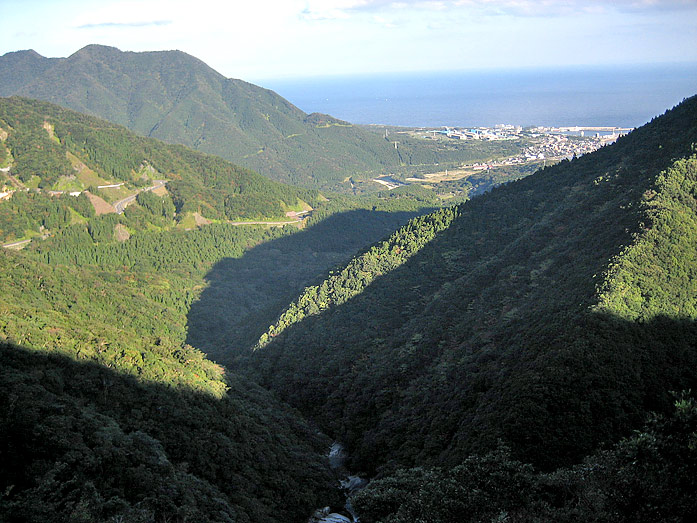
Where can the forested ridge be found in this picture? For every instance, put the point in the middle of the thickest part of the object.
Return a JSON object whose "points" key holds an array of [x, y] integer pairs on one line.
{"points": [[113, 415], [174, 97], [550, 315], [55, 149], [110, 410], [108, 414]]}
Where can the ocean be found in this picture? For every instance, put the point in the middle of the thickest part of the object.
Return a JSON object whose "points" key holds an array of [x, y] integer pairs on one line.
{"points": [[627, 96]]}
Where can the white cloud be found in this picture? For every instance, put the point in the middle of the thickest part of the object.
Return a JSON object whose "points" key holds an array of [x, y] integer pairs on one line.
{"points": [[384, 22], [270, 38]]}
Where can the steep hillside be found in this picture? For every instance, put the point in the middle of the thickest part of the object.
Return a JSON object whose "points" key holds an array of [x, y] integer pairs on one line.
{"points": [[107, 412], [550, 314], [56, 151]]}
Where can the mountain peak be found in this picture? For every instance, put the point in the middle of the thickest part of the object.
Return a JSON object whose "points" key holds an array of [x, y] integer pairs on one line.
{"points": [[92, 50], [23, 54], [18, 68]]}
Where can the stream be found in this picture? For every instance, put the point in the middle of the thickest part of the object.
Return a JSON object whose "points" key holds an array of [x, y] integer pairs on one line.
{"points": [[350, 484]]}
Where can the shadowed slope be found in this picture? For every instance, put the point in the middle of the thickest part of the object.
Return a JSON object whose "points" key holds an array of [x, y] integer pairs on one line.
{"points": [[246, 294], [492, 329], [80, 442]]}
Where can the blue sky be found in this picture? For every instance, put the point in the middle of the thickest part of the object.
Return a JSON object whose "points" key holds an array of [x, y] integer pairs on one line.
{"points": [[264, 39]]}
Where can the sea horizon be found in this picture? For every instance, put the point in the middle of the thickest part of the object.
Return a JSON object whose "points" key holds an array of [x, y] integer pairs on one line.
{"points": [[622, 96]]}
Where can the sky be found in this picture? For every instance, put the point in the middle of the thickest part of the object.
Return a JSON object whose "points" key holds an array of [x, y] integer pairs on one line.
{"points": [[271, 39]]}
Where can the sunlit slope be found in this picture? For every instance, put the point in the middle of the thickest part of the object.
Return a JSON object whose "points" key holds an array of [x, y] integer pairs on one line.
{"points": [[550, 314], [56, 150]]}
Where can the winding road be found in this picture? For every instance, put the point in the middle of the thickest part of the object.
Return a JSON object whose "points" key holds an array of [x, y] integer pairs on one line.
{"points": [[121, 204]]}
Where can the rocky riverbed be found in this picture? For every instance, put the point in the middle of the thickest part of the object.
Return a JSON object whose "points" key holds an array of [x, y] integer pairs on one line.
{"points": [[350, 484]]}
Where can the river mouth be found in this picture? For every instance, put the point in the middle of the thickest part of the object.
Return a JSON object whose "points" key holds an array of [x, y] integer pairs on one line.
{"points": [[351, 483]]}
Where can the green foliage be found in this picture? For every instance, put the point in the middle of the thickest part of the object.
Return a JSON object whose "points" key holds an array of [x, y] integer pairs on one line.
{"points": [[246, 294], [148, 428], [174, 97], [550, 314], [81, 442], [652, 475], [657, 274], [173, 250], [492, 330], [29, 212], [33, 151], [493, 487], [197, 182], [158, 209], [380, 259], [648, 477], [111, 415]]}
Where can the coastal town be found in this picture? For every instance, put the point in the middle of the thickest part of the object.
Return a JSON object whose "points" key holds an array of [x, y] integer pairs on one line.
{"points": [[554, 143], [538, 145]]}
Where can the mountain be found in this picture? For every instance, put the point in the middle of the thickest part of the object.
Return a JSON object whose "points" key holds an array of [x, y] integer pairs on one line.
{"points": [[20, 68], [550, 315], [175, 97], [55, 150], [106, 413]]}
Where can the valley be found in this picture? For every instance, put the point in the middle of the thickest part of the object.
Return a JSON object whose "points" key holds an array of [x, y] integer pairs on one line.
{"points": [[468, 324]]}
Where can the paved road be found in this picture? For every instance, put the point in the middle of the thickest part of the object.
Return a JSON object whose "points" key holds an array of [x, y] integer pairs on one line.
{"points": [[121, 204], [265, 223], [15, 245]]}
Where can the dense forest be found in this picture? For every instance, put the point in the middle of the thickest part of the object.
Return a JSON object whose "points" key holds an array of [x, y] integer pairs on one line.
{"points": [[175, 97], [550, 315], [109, 412], [113, 416], [109, 416], [525, 355], [649, 476]]}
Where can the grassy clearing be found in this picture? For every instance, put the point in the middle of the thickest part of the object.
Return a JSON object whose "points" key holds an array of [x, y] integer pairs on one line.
{"points": [[5, 156], [68, 183], [86, 175], [188, 221], [114, 194], [51, 132], [299, 206], [76, 217], [33, 182]]}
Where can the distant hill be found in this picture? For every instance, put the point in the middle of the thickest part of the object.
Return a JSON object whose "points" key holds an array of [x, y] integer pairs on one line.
{"points": [[54, 150], [550, 314], [177, 98], [174, 97]]}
